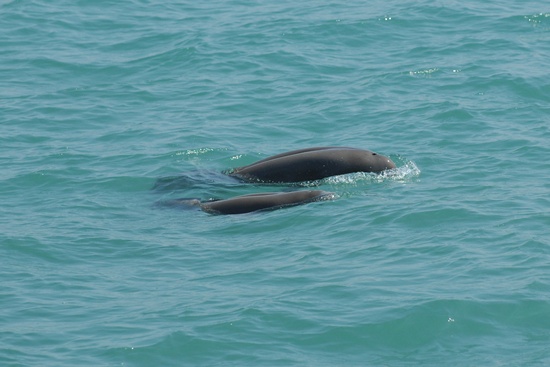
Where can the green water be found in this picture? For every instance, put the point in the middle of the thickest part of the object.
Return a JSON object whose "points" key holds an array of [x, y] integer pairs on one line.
{"points": [[445, 261]]}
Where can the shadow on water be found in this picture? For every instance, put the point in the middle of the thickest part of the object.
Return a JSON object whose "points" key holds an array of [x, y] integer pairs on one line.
{"points": [[195, 179], [208, 179]]}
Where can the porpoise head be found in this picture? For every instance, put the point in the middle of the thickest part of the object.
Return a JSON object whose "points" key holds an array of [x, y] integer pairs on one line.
{"points": [[374, 162]]}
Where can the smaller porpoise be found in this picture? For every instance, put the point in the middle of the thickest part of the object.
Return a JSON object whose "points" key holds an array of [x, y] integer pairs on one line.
{"points": [[254, 202], [312, 164]]}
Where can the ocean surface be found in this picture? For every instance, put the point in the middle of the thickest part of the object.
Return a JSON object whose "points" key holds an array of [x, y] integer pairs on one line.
{"points": [[110, 108]]}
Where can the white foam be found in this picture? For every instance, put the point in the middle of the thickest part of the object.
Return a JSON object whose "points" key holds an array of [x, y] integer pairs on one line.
{"points": [[404, 173]]}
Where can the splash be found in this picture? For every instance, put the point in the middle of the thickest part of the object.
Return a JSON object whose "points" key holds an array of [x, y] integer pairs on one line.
{"points": [[424, 73], [405, 172], [194, 151]]}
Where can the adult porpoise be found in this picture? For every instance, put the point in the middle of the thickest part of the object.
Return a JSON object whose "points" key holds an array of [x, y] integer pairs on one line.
{"points": [[312, 164], [254, 202]]}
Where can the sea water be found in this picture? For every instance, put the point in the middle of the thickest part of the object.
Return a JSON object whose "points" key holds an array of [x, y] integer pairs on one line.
{"points": [[444, 261]]}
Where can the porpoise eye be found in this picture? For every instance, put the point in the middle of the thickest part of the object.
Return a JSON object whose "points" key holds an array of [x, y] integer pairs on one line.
{"points": [[373, 153]]}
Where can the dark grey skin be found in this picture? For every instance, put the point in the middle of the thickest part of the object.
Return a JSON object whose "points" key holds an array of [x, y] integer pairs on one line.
{"points": [[312, 164], [254, 202]]}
